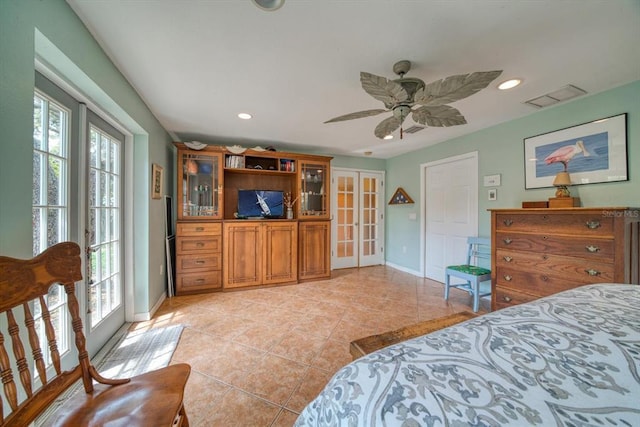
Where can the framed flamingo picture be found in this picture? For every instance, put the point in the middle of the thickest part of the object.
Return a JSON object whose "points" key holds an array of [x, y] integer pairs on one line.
{"points": [[591, 152]]}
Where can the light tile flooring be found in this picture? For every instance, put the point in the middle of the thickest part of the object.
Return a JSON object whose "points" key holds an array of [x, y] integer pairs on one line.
{"points": [[259, 356]]}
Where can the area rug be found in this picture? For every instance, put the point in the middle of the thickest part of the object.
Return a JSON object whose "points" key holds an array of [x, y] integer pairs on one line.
{"points": [[126, 354], [140, 351]]}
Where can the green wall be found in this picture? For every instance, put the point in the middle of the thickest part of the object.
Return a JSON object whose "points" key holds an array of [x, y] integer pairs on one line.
{"points": [[501, 151], [50, 31]]}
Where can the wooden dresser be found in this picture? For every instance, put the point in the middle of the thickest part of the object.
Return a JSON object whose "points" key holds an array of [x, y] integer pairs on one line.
{"points": [[198, 257], [538, 252]]}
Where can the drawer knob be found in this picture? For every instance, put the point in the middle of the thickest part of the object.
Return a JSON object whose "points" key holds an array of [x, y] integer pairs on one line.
{"points": [[507, 241], [592, 272], [592, 225], [508, 278], [199, 261], [199, 281], [508, 222], [199, 228], [506, 299], [199, 244], [592, 248], [507, 258]]}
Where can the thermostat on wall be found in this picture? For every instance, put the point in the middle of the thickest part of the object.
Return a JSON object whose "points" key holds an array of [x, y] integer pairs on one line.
{"points": [[492, 180]]}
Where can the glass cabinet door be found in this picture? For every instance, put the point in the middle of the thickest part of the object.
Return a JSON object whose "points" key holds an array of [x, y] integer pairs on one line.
{"points": [[314, 189], [200, 186]]}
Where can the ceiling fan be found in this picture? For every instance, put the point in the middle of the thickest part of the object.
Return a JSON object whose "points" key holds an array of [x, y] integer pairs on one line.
{"points": [[426, 103]]}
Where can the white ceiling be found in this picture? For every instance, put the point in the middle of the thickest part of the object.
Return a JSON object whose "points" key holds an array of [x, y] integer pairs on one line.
{"points": [[198, 63]]}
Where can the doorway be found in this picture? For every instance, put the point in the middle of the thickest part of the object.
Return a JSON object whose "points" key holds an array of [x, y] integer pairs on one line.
{"points": [[91, 184], [358, 218], [449, 211]]}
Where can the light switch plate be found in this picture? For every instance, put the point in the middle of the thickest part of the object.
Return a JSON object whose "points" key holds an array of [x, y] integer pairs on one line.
{"points": [[492, 180]]}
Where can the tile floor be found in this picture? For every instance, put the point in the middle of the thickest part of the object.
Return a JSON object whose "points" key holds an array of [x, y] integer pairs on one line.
{"points": [[259, 356]]}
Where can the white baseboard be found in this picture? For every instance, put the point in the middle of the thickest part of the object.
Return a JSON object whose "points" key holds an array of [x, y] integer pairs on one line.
{"points": [[143, 317], [404, 269]]}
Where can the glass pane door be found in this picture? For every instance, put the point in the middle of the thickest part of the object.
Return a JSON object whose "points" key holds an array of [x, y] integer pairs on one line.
{"points": [[201, 185], [313, 198], [370, 218], [346, 231], [103, 232]]}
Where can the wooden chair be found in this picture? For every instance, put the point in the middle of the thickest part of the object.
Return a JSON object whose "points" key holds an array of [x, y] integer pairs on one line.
{"points": [[470, 272], [150, 399]]}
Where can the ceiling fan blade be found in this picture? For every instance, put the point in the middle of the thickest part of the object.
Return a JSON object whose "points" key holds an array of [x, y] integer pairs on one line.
{"points": [[438, 116], [387, 126], [383, 89], [357, 115], [454, 88]]}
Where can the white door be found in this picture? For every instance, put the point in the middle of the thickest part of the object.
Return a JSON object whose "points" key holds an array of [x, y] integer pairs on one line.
{"points": [[77, 197], [358, 218], [371, 216], [450, 211], [104, 246]]}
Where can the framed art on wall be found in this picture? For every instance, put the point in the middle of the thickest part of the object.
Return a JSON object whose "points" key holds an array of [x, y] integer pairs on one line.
{"points": [[591, 153], [156, 181]]}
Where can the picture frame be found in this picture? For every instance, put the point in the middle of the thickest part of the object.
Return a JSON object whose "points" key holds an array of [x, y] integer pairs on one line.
{"points": [[593, 152], [156, 181]]}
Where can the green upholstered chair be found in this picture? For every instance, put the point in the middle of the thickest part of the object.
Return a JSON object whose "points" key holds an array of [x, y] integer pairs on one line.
{"points": [[471, 273]]}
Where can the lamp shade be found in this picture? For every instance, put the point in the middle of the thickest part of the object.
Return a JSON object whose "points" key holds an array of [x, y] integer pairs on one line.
{"points": [[562, 179]]}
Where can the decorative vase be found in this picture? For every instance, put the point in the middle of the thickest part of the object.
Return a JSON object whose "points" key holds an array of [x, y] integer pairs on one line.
{"points": [[289, 213]]}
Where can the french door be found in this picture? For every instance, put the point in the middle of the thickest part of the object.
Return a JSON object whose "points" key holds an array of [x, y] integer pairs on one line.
{"points": [[105, 288], [78, 197], [358, 214]]}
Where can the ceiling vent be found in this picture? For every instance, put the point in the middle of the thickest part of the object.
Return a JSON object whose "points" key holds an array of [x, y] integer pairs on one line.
{"points": [[563, 94], [413, 129]]}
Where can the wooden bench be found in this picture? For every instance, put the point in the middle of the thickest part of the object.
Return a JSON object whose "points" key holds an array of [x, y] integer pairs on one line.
{"points": [[366, 345]]}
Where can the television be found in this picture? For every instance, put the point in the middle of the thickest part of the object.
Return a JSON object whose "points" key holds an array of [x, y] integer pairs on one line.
{"points": [[260, 204]]}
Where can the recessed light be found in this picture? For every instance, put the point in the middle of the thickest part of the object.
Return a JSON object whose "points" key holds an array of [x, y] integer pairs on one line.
{"points": [[509, 84], [388, 136], [245, 116]]}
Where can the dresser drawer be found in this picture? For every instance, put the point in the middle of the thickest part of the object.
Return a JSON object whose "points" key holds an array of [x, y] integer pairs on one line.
{"points": [[186, 245], [193, 262], [584, 223], [199, 229], [199, 281], [583, 247], [535, 283], [566, 267], [507, 297]]}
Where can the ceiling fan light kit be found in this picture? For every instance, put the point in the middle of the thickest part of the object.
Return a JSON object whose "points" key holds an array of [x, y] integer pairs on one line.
{"points": [[410, 96], [268, 5]]}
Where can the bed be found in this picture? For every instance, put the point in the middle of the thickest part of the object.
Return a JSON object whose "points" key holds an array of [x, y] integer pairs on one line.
{"points": [[570, 359]]}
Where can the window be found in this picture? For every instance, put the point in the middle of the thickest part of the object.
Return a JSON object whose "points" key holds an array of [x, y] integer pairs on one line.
{"points": [[50, 201]]}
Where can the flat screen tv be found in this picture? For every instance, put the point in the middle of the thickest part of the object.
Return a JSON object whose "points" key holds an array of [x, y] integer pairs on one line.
{"points": [[260, 204]]}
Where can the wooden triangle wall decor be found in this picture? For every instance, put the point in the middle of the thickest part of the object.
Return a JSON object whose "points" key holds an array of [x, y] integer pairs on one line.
{"points": [[400, 197]]}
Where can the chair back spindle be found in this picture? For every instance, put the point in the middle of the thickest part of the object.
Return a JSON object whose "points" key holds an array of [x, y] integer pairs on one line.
{"points": [[31, 366]]}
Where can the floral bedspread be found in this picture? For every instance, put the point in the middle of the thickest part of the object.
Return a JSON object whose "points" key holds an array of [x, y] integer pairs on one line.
{"points": [[571, 359]]}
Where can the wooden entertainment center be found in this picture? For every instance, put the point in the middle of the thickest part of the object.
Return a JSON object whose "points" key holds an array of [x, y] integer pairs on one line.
{"points": [[216, 249]]}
